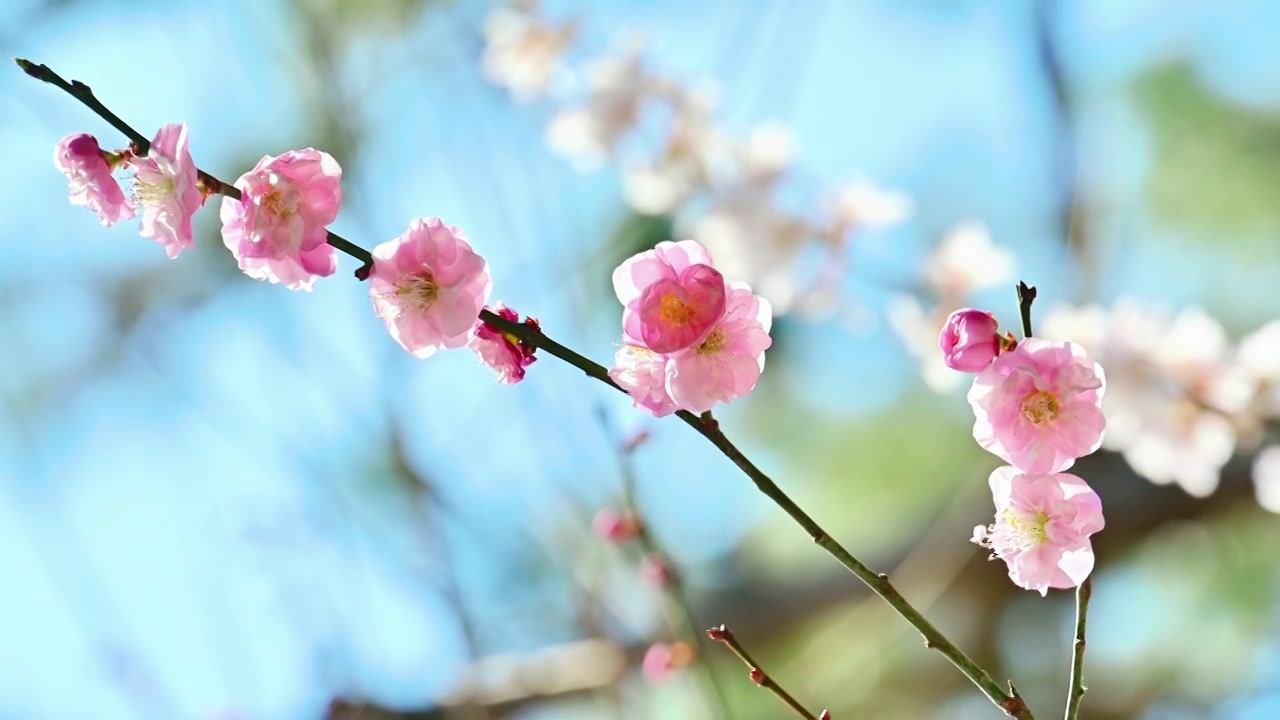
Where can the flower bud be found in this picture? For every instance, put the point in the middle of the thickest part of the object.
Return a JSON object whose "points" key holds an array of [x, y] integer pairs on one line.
{"points": [[969, 340], [614, 525]]}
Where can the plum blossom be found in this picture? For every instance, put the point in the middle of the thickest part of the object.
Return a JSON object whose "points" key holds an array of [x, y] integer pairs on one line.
{"points": [[506, 354], [429, 286], [1266, 478], [727, 364], [966, 260], [166, 186], [589, 133], [1178, 399], [616, 526], [655, 570], [1037, 406], [88, 171], [671, 296], [970, 340], [661, 659], [1042, 528], [523, 50], [643, 374], [276, 229]]}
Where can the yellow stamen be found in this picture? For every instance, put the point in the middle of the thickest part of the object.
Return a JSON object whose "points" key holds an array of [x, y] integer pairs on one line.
{"points": [[1040, 407]]}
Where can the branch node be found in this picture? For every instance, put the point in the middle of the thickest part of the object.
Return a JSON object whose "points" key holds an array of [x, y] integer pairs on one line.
{"points": [[28, 67]]}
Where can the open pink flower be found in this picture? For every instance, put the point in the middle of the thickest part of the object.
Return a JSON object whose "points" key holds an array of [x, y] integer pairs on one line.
{"points": [[671, 295], [506, 354], [661, 659], [276, 230], [91, 184], [1038, 406], [165, 184], [643, 374], [727, 364], [429, 286], [1043, 527], [969, 340]]}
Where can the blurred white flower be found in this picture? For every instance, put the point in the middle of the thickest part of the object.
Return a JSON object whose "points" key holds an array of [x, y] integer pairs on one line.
{"points": [[967, 260], [766, 154], [863, 204], [918, 331], [1266, 478], [756, 243], [589, 133], [1259, 355], [684, 166], [1174, 392], [523, 50]]}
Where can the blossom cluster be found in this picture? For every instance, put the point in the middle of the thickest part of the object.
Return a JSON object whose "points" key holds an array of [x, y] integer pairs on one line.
{"points": [[690, 338], [674, 159], [1037, 405], [1182, 398], [428, 285]]}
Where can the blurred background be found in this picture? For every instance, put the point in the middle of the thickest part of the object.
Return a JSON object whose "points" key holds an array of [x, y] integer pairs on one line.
{"points": [[222, 500]]}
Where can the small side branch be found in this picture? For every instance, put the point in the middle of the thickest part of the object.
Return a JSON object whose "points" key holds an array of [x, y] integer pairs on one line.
{"points": [[1076, 692], [758, 676]]}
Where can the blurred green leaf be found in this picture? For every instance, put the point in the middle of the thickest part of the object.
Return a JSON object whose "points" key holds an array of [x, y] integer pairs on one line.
{"points": [[1216, 165]]}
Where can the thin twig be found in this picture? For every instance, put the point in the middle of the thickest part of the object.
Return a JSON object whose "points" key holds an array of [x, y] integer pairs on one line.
{"points": [[678, 598], [1076, 692], [758, 676], [1009, 701]]}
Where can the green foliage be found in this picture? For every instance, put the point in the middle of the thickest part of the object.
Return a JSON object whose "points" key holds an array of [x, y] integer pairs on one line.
{"points": [[1216, 165]]}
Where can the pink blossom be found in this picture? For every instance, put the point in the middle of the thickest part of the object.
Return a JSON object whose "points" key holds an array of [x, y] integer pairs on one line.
{"points": [[614, 525], [429, 286], [1042, 528], [663, 658], [672, 296], [86, 167], [643, 374], [727, 364], [506, 354], [969, 340], [165, 184], [1038, 406], [276, 230], [655, 570]]}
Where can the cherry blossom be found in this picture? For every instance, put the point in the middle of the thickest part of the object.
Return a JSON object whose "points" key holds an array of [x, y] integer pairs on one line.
{"points": [[643, 374], [88, 170], [672, 296], [429, 286], [727, 364], [1037, 406], [166, 187], [506, 354], [277, 228], [1042, 528]]}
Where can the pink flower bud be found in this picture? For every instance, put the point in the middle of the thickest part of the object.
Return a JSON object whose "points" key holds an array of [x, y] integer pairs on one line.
{"points": [[615, 526], [969, 340], [662, 658], [655, 570], [826, 715]]}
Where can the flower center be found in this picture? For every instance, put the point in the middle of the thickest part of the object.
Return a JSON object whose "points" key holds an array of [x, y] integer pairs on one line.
{"points": [[1040, 407], [418, 291], [715, 342], [152, 193], [278, 204], [1020, 531], [674, 311]]}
